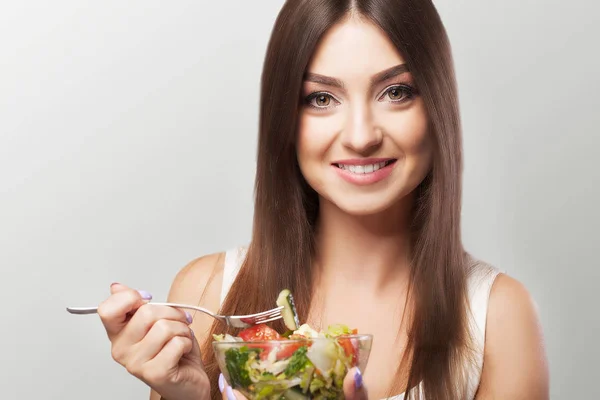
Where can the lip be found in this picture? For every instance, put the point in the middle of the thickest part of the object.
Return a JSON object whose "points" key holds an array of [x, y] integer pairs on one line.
{"points": [[368, 178], [362, 161]]}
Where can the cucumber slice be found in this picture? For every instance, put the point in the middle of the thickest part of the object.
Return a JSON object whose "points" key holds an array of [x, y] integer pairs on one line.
{"points": [[290, 316]]}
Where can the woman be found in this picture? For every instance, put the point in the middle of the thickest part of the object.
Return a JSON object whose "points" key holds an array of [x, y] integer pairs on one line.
{"points": [[357, 211]]}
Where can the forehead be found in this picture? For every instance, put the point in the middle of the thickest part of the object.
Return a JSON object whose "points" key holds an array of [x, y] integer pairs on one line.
{"points": [[354, 48]]}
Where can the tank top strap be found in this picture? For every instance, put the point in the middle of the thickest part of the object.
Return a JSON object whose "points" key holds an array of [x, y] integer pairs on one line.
{"points": [[233, 261], [480, 280]]}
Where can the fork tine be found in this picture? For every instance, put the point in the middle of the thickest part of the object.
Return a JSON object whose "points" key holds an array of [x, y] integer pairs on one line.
{"points": [[267, 320], [269, 316], [273, 311]]}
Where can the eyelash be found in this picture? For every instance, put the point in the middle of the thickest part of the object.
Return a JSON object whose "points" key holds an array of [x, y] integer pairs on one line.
{"points": [[408, 91]]}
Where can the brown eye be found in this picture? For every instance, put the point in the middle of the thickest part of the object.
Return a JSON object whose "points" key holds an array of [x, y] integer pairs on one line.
{"points": [[395, 94], [399, 93], [322, 100]]}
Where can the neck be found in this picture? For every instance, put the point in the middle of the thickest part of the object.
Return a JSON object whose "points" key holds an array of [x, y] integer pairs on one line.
{"points": [[373, 249]]}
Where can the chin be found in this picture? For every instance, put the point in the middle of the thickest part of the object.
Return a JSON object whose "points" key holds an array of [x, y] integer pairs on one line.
{"points": [[362, 207]]}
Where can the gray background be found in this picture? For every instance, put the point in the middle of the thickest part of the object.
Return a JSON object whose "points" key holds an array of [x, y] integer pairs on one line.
{"points": [[127, 148]]}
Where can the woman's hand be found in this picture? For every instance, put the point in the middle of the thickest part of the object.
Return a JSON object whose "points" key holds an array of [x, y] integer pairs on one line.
{"points": [[155, 344], [353, 387]]}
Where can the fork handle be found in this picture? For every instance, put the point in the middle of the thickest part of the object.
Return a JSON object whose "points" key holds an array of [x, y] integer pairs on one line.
{"points": [[82, 310], [94, 310]]}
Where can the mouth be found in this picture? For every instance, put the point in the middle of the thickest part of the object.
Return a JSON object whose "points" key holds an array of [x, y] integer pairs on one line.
{"points": [[362, 167]]}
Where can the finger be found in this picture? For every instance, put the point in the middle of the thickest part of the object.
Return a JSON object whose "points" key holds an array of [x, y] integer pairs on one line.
{"points": [[170, 355], [195, 356], [146, 316], [117, 287], [159, 335], [237, 395], [222, 386], [227, 392], [114, 310], [354, 388]]}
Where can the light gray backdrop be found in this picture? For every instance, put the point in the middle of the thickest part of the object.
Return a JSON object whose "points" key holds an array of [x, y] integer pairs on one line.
{"points": [[127, 148]]}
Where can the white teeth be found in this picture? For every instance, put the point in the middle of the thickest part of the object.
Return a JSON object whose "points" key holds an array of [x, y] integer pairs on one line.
{"points": [[362, 169]]}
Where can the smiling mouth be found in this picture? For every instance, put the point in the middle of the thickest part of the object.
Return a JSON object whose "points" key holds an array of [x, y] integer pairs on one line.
{"points": [[364, 168]]}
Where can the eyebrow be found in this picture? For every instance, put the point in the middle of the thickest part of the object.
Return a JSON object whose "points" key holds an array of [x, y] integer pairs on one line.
{"points": [[376, 79]]}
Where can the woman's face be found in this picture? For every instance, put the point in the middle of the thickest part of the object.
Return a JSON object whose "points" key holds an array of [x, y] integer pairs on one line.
{"points": [[362, 140]]}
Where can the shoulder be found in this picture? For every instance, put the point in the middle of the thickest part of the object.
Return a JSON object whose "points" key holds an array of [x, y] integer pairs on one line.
{"points": [[199, 283], [515, 363], [198, 275]]}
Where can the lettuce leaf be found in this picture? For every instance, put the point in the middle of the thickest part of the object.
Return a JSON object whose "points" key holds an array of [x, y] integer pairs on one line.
{"points": [[298, 362], [337, 330], [236, 362]]}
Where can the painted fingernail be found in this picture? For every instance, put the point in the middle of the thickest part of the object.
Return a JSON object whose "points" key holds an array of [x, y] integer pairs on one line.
{"points": [[221, 383], [145, 295], [230, 395], [193, 334], [188, 316], [358, 379]]}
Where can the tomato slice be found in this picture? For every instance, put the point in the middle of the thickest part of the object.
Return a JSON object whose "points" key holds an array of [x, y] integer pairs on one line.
{"points": [[259, 333], [350, 348], [286, 350]]}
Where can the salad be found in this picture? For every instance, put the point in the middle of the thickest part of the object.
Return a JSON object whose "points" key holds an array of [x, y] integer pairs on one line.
{"points": [[299, 364]]}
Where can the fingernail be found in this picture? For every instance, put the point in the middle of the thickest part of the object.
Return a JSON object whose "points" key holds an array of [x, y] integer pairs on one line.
{"points": [[188, 316], [145, 295], [193, 334], [358, 379], [221, 383], [230, 395], [114, 283]]}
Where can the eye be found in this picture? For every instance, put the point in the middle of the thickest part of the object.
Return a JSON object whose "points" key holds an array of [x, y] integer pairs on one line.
{"points": [[320, 100], [398, 93]]}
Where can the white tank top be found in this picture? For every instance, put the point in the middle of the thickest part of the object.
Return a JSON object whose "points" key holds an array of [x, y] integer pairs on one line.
{"points": [[480, 281]]}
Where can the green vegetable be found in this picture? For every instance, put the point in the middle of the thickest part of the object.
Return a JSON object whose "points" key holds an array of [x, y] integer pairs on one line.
{"points": [[316, 384], [339, 372], [265, 391], [235, 360], [307, 377], [337, 330], [290, 316], [292, 394], [297, 362], [287, 333]]}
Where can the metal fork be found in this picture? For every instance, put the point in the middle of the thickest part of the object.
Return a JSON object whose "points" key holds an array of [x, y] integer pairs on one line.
{"points": [[234, 321]]}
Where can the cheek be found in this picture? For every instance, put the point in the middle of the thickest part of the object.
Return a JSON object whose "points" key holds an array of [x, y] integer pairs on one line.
{"points": [[410, 133], [316, 134]]}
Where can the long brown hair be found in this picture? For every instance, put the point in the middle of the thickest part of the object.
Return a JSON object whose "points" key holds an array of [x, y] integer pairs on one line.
{"points": [[286, 208]]}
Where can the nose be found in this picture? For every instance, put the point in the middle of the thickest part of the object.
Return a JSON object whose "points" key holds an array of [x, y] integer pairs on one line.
{"points": [[360, 133]]}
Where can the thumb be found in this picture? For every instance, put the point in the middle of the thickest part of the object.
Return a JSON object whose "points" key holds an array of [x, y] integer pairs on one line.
{"points": [[354, 389]]}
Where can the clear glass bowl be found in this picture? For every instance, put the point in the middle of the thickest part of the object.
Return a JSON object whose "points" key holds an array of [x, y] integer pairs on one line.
{"points": [[292, 369]]}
